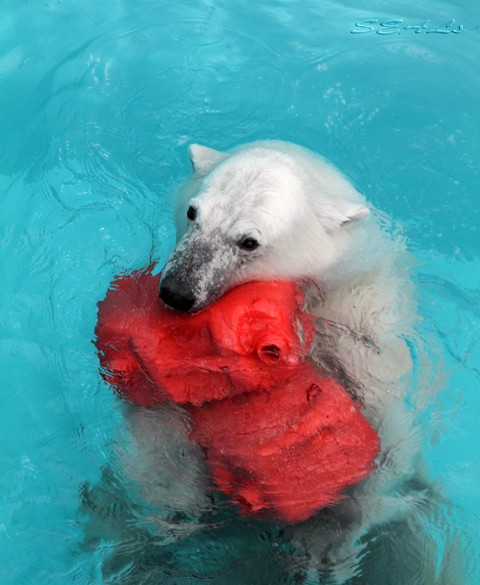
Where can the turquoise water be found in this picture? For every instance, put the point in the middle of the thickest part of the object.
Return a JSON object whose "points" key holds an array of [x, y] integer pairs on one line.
{"points": [[99, 101]]}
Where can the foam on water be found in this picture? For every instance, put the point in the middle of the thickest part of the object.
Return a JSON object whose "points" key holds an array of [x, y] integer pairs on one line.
{"points": [[98, 103]]}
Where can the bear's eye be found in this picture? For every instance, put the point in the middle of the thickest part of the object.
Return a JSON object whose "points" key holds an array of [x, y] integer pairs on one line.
{"points": [[248, 244], [191, 213]]}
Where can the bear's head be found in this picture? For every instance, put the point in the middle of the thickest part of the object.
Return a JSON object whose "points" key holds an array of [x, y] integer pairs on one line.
{"points": [[258, 213]]}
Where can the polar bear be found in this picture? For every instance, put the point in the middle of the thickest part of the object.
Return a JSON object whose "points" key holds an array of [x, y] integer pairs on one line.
{"points": [[274, 210]]}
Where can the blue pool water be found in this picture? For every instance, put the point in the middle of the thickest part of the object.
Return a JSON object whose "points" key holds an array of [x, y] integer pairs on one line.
{"points": [[98, 102]]}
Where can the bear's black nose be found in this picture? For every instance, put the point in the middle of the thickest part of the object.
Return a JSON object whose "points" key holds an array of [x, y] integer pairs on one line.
{"points": [[176, 296]]}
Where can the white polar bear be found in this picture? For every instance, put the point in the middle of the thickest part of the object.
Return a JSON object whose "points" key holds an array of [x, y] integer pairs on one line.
{"points": [[274, 210]]}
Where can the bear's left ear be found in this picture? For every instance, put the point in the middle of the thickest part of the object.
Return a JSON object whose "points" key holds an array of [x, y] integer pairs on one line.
{"points": [[341, 214], [204, 158]]}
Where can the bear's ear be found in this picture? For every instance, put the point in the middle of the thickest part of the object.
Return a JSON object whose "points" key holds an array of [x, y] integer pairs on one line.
{"points": [[341, 214], [204, 158]]}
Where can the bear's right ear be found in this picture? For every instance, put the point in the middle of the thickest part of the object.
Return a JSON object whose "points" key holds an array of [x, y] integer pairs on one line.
{"points": [[204, 158]]}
